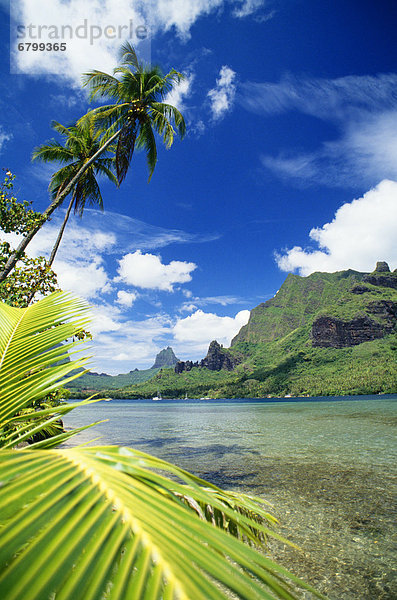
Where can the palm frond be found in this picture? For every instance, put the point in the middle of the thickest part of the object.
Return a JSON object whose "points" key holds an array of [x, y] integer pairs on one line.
{"points": [[101, 84], [33, 358], [109, 118], [59, 128], [41, 428], [170, 112], [147, 141], [128, 56], [103, 522], [52, 151], [164, 84], [90, 193], [163, 127], [107, 171]]}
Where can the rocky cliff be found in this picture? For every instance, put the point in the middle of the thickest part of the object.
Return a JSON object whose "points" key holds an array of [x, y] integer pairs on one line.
{"points": [[330, 332], [217, 359]]}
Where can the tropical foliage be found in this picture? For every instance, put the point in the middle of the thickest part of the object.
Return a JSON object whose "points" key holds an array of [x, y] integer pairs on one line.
{"points": [[31, 275], [34, 363], [109, 522]]}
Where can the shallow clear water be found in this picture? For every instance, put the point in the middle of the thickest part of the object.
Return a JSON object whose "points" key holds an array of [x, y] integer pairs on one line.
{"points": [[328, 465]]}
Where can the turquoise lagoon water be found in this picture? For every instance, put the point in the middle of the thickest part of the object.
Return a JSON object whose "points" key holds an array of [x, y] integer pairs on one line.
{"points": [[329, 466]]}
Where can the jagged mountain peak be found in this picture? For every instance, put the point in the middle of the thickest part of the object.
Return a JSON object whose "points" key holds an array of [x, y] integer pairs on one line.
{"points": [[165, 358]]}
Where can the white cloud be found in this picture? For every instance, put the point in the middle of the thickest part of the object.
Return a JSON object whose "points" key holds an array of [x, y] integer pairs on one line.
{"points": [[180, 14], [121, 345], [248, 7], [196, 302], [187, 307], [364, 111], [222, 96], [365, 153], [126, 298], [70, 100], [107, 232], [4, 137], [147, 271], [106, 318], [176, 97], [86, 280], [201, 328], [329, 99], [362, 232]]}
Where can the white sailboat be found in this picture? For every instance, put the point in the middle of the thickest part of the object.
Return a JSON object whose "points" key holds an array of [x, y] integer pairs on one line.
{"points": [[158, 397]]}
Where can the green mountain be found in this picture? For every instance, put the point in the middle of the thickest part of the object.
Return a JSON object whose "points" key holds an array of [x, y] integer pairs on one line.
{"points": [[90, 383], [165, 358], [325, 334]]}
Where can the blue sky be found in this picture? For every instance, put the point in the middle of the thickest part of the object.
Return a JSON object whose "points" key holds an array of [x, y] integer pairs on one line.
{"points": [[289, 163]]}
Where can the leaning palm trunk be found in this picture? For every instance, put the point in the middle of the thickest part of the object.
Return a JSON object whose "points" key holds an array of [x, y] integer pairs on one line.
{"points": [[55, 247], [62, 229], [13, 259]]}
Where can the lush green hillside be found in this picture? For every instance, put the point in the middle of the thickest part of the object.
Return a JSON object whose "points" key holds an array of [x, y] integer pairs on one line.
{"points": [[326, 334], [97, 382], [90, 383], [300, 299]]}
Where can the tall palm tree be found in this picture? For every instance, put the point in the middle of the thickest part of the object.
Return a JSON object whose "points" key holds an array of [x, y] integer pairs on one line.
{"points": [[138, 111], [138, 92], [82, 141]]}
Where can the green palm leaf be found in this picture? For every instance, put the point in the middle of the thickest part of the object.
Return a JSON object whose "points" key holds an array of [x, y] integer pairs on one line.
{"points": [[105, 522], [34, 361]]}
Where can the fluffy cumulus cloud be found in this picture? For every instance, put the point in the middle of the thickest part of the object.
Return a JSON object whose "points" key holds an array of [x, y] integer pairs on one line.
{"points": [[362, 108], [201, 327], [222, 95], [362, 232], [85, 279], [126, 298], [147, 271]]}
